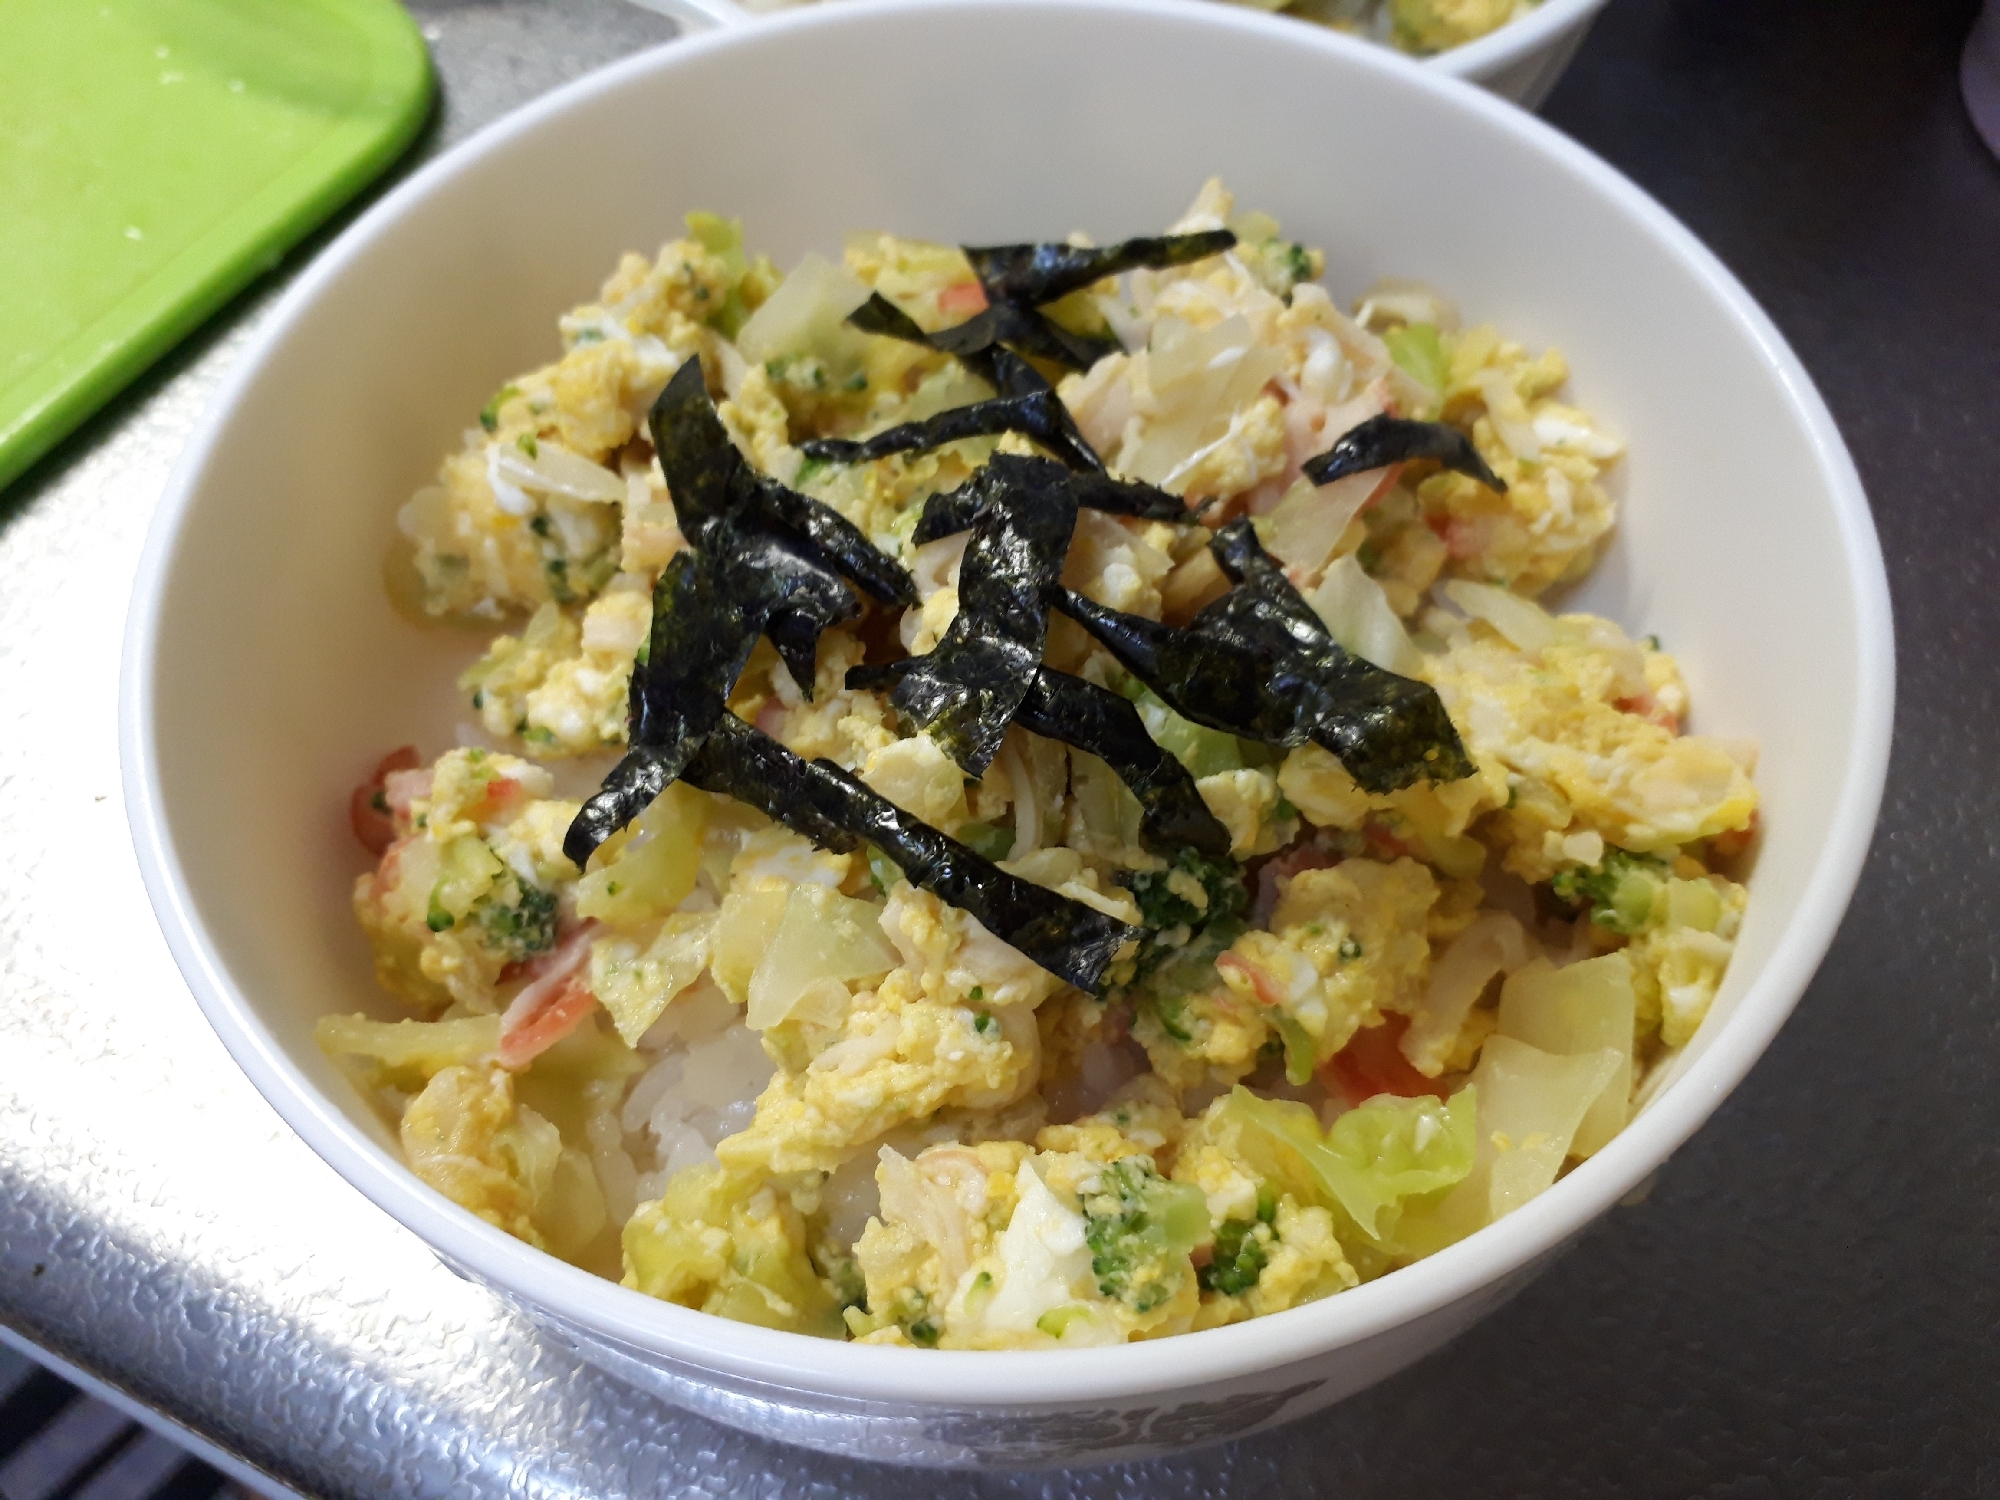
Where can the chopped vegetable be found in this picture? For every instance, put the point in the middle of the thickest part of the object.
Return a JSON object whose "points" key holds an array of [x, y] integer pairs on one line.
{"points": [[1258, 663], [1140, 1228], [635, 982], [1418, 352], [836, 811], [520, 928], [1375, 1158], [987, 841], [1239, 1258], [1584, 1007], [1530, 1104], [715, 1241], [821, 935], [656, 869], [489, 414], [1191, 892], [1619, 891], [419, 1048]]}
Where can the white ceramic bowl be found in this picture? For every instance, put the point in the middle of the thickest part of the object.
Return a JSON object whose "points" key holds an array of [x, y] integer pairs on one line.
{"points": [[264, 667], [1521, 61]]}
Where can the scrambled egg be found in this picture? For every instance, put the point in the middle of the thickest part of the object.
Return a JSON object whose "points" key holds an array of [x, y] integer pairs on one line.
{"points": [[1588, 749], [1345, 946], [466, 1137], [1424, 26], [781, 1084], [470, 887]]}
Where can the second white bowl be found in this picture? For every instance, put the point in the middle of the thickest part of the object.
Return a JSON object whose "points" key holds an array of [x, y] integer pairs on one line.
{"points": [[1520, 61]]}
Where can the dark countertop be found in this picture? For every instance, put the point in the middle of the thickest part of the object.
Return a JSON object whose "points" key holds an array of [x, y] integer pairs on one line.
{"points": [[1806, 1303]]}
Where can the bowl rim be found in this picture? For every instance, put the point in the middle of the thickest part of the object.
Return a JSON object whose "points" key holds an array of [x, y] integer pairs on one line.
{"points": [[1478, 60], [936, 1379], [1513, 41]]}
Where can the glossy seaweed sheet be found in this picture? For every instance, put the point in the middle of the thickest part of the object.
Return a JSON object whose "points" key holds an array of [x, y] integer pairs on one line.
{"points": [[954, 511], [828, 805], [1095, 719], [766, 560], [1258, 663], [1001, 324], [967, 690], [987, 673], [1017, 280], [1384, 440], [1039, 415], [1025, 403], [763, 559], [1035, 274]]}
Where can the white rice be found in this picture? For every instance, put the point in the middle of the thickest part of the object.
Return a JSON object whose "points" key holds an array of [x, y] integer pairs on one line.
{"points": [[704, 1086]]}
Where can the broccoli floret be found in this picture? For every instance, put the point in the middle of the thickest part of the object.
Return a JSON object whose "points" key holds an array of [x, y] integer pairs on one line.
{"points": [[1177, 957], [1239, 1257], [1619, 890], [1161, 907], [986, 841], [883, 872], [1177, 975], [843, 1281], [489, 414], [519, 928], [1140, 1228], [1279, 265]]}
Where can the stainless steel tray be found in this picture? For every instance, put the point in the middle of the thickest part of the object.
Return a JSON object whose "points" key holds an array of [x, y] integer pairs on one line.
{"points": [[1789, 1308]]}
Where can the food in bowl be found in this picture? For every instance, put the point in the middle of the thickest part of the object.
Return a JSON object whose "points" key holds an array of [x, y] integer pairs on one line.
{"points": [[1034, 804], [1420, 27]]}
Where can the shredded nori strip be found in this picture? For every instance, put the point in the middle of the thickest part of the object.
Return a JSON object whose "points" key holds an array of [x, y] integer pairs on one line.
{"points": [[1026, 404], [629, 790], [713, 486], [1093, 718], [987, 674], [1384, 440], [704, 626], [1017, 279], [1036, 274], [828, 805], [1263, 611], [1258, 663], [967, 690], [766, 560], [1039, 415], [1025, 331], [980, 337], [763, 560], [1127, 497], [952, 511]]}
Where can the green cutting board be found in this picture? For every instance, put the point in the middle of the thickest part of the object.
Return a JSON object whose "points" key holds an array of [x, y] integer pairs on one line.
{"points": [[155, 155]]}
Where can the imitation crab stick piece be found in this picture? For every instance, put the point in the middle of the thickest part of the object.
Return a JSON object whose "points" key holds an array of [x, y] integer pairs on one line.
{"points": [[551, 1005]]}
